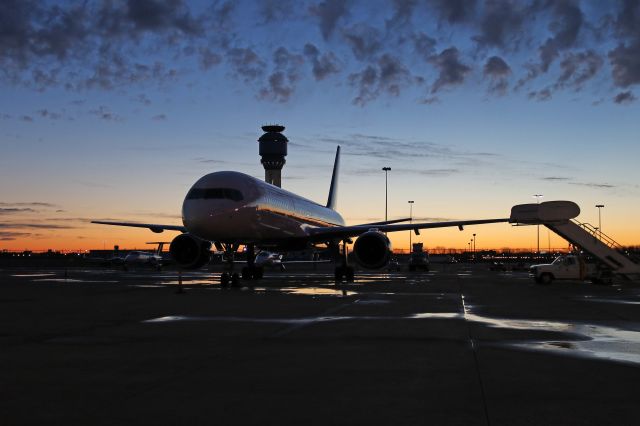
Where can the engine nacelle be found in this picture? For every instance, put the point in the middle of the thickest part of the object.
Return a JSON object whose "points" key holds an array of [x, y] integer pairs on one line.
{"points": [[190, 252], [372, 250]]}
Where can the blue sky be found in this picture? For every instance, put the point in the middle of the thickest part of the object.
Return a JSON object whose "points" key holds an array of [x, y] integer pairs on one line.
{"points": [[112, 109]]}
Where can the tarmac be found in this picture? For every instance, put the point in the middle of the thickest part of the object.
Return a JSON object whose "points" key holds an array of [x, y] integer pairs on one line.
{"points": [[460, 345]]}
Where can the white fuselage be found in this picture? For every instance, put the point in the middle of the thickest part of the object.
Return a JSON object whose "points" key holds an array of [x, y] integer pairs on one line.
{"points": [[233, 206], [142, 257]]}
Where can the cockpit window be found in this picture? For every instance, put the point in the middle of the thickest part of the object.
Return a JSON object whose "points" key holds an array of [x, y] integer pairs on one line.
{"points": [[215, 193]]}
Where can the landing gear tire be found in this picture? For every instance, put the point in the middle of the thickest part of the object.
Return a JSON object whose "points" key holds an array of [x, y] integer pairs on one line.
{"points": [[546, 279], [235, 280], [246, 273], [224, 280], [258, 273], [345, 272], [349, 274]]}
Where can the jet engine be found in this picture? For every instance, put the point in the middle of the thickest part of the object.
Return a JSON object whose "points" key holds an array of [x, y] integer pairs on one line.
{"points": [[190, 252], [372, 249]]}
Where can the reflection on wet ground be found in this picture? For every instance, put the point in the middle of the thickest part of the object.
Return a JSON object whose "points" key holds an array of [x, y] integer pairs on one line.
{"points": [[73, 280], [33, 275], [617, 340], [620, 343]]}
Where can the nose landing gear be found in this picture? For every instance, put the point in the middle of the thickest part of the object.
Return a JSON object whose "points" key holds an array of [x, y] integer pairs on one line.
{"points": [[249, 272]]}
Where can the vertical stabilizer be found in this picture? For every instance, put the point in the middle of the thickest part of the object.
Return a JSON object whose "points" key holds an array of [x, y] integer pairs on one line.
{"points": [[333, 191]]}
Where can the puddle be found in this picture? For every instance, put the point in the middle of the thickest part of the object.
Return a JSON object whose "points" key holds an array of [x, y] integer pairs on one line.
{"points": [[187, 282], [302, 321], [146, 285], [73, 280], [437, 315], [372, 302], [600, 342], [316, 291], [616, 301]]}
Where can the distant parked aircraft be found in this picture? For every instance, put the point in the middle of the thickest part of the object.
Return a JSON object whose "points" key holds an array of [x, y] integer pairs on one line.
{"points": [[145, 258]]}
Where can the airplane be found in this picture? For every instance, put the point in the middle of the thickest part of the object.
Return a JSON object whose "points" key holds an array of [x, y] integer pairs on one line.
{"points": [[145, 258], [270, 259], [229, 209]]}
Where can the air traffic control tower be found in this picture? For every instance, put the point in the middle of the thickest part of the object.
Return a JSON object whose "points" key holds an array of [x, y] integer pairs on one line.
{"points": [[273, 149]]}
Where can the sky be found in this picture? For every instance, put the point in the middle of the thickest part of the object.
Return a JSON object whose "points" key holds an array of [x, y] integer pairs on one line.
{"points": [[112, 109]]}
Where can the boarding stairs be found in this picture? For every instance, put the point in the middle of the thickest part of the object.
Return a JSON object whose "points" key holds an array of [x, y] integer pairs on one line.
{"points": [[599, 245], [558, 216]]}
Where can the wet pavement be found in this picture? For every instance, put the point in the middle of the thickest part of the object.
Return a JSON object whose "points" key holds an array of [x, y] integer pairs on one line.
{"points": [[458, 345]]}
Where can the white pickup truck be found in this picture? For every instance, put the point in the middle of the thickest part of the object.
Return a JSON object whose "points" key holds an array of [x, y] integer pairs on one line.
{"points": [[569, 267]]}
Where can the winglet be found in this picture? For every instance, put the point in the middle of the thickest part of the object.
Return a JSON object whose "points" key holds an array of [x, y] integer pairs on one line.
{"points": [[333, 190]]}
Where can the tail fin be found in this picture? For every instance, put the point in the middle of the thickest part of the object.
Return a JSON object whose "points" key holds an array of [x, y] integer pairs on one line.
{"points": [[160, 246], [333, 190]]}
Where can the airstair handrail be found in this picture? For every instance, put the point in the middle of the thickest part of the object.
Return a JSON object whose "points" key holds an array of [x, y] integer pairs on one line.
{"points": [[604, 238]]}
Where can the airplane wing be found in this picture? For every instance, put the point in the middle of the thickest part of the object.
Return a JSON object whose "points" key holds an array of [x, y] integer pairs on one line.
{"points": [[387, 222], [152, 226], [323, 234]]}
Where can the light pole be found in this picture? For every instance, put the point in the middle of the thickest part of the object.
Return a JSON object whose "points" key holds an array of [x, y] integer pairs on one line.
{"points": [[410, 221], [386, 170], [538, 196], [599, 206], [474, 246]]}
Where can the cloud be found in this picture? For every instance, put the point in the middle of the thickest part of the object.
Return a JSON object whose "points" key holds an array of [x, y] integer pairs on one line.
{"points": [[30, 204], [323, 65], [281, 83], [555, 178], [578, 68], [626, 23], [452, 72], [593, 185], [159, 15], [364, 40], [12, 236], [424, 45], [276, 10], [130, 45], [624, 98], [159, 117], [566, 26], [455, 11], [246, 63], [45, 113], [11, 225], [540, 95], [26, 119], [501, 22], [329, 12], [381, 147], [208, 59], [16, 210], [402, 11], [498, 71], [625, 63], [143, 99], [388, 75], [104, 113], [438, 172]]}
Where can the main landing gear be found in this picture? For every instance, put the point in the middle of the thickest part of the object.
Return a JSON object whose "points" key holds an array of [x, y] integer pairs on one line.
{"points": [[228, 276], [249, 272], [344, 270]]}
